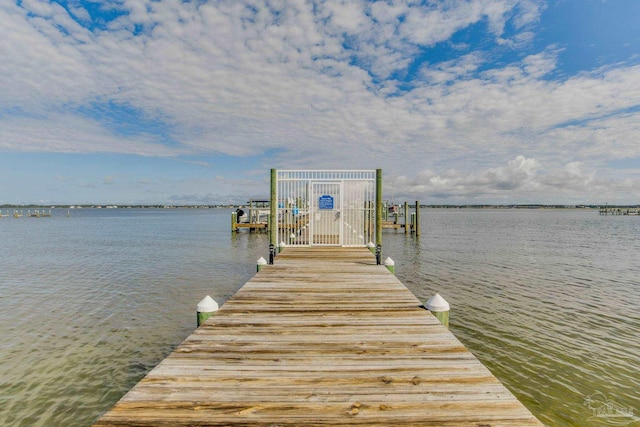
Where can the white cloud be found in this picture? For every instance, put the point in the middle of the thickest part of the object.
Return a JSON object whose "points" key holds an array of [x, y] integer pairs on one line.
{"points": [[79, 12], [68, 133], [570, 177], [521, 180], [347, 15], [462, 67], [234, 79], [540, 64], [243, 80], [519, 173]]}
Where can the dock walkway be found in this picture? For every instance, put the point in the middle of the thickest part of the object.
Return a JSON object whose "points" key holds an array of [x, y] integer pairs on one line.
{"points": [[324, 337]]}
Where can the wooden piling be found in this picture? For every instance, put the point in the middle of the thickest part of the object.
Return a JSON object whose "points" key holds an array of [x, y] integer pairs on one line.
{"points": [[439, 307], [406, 217], [378, 207], [273, 207], [417, 225], [205, 308]]}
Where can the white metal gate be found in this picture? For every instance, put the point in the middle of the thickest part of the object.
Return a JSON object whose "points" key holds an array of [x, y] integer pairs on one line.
{"points": [[330, 208]]}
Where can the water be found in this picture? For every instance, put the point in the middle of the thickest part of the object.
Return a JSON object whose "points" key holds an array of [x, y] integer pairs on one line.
{"points": [[547, 299]]}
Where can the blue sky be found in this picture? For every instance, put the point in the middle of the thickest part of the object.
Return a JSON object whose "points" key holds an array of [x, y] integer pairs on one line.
{"points": [[476, 101]]}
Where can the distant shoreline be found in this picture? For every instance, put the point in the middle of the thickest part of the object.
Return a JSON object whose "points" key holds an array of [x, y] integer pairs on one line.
{"points": [[233, 206]]}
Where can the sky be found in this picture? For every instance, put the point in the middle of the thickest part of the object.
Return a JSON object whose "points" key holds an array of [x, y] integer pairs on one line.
{"points": [[193, 102]]}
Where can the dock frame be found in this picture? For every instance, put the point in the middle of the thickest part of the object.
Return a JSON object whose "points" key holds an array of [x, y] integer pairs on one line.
{"points": [[323, 337]]}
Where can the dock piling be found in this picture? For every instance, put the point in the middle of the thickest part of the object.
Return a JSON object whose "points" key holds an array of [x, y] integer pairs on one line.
{"points": [[273, 208], [205, 308], [260, 263], [417, 219], [371, 247], [391, 266], [378, 207], [406, 217], [440, 308]]}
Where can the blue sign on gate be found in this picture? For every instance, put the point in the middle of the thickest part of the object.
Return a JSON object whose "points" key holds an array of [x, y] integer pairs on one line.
{"points": [[325, 202]]}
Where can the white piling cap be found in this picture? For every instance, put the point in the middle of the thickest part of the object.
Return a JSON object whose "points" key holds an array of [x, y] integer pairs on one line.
{"points": [[262, 261], [371, 245], [282, 244], [207, 305], [389, 261], [437, 303], [293, 236]]}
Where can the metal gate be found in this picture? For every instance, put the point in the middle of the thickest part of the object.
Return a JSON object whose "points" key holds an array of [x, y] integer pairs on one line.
{"points": [[325, 208]]}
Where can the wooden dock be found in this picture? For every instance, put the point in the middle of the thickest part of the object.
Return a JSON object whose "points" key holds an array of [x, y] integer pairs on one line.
{"points": [[324, 337]]}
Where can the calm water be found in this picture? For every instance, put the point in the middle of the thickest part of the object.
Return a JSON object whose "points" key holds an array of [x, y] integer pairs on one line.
{"points": [[549, 300]]}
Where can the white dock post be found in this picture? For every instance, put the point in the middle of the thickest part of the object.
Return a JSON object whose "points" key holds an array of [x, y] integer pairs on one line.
{"points": [[206, 307], [371, 247], [281, 246], [440, 308], [261, 263], [391, 266]]}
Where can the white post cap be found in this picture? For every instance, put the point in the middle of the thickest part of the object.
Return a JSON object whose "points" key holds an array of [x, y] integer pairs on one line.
{"points": [[371, 245], [437, 303], [262, 261], [389, 262], [282, 244], [293, 236], [207, 305]]}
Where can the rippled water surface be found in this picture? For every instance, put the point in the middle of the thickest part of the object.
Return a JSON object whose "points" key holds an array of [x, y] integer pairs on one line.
{"points": [[548, 299]]}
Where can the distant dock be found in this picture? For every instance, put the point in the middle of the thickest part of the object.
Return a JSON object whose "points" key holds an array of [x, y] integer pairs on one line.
{"points": [[610, 210], [37, 213], [19, 213], [322, 337], [258, 218]]}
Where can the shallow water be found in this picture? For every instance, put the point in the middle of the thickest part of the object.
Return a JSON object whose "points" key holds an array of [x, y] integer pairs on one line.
{"points": [[547, 299], [90, 303]]}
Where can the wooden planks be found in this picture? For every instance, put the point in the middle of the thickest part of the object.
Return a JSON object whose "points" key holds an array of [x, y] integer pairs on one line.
{"points": [[324, 337]]}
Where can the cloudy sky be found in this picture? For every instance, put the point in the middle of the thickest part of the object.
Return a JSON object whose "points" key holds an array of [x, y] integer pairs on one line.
{"points": [[171, 101]]}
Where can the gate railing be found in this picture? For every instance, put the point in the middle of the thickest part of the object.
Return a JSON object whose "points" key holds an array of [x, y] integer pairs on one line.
{"points": [[336, 208]]}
